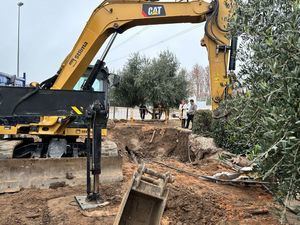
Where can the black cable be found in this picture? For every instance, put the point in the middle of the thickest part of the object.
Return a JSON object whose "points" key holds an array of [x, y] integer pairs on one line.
{"points": [[209, 22], [216, 18], [47, 84], [212, 32], [23, 99], [206, 30], [212, 19]]}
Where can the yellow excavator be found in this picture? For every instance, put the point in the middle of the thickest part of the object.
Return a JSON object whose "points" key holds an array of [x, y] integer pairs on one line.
{"points": [[55, 115]]}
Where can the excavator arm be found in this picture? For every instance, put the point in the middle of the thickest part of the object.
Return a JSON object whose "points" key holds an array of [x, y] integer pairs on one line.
{"points": [[118, 16]]}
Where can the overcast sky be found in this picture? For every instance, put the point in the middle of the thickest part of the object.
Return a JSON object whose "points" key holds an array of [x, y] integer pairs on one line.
{"points": [[50, 28]]}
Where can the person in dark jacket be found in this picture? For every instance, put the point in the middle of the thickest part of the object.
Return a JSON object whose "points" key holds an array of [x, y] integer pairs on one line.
{"points": [[191, 112], [143, 111]]}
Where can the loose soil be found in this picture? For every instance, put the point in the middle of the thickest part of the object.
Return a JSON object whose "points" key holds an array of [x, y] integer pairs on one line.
{"points": [[191, 200]]}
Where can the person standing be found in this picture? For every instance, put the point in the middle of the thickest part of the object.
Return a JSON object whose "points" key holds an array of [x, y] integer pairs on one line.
{"points": [[191, 112], [183, 108], [143, 111], [160, 111]]}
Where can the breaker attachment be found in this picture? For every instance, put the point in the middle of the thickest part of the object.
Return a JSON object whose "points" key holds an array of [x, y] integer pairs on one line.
{"points": [[146, 198]]}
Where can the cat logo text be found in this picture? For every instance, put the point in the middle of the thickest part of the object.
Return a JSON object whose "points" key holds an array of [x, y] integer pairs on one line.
{"points": [[153, 10]]}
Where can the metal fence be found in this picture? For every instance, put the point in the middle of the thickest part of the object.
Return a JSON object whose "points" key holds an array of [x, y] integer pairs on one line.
{"points": [[124, 113]]}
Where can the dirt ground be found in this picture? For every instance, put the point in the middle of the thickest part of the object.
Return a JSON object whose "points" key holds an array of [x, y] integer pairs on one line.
{"points": [[191, 200]]}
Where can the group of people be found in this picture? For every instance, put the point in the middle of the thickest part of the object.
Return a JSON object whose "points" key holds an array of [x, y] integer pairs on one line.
{"points": [[187, 112], [157, 111]]}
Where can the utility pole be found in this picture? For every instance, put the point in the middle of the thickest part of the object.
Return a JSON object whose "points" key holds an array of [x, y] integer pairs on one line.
{"points": [[20, 4]]}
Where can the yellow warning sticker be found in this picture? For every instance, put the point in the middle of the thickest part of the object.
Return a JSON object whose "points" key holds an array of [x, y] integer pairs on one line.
{"points": [[75, 109]]}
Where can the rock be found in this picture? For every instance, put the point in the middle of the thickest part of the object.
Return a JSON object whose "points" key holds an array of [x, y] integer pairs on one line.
{"points": [[201, 147], [57, 185], [226, 176], [33, 216], [70, 176], [241, 161]]}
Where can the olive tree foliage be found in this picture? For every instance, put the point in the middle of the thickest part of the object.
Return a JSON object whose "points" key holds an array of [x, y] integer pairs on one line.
{"points": [[163, 81], [157, 81], [264, 121], [129, 93]]}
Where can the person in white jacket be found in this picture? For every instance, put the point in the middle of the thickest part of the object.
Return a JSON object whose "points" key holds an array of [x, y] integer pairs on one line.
{"points": [[183, 108]]}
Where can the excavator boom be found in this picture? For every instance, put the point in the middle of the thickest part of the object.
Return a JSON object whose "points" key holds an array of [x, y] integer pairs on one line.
{"points": [[118, 16]]}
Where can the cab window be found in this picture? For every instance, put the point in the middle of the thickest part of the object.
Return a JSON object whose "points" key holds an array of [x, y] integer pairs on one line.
{"points": [[97, 86]]}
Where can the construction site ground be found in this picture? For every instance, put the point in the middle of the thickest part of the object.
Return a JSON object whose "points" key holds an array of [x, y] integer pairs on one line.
{"points": [[191, 200]]}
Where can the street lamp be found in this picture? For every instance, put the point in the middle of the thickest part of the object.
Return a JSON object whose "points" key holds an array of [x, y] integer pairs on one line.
{"points": [[18, 53]]}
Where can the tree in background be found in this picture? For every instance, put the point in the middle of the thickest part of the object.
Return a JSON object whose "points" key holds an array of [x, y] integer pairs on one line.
{"points": [[129, 93], [199, 82], [163, 82], [207, 81], [157, 81], [264, 123]]}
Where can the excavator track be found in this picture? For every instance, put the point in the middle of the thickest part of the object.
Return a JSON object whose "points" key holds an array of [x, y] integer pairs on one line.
{"points": [[7, 148]]}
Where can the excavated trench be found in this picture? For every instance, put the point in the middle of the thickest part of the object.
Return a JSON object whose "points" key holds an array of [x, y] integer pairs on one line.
{"points": [[151, 142]]}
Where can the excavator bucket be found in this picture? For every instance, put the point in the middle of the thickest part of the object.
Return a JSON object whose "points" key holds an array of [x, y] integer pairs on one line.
{"points": [[145, 200], [55, 172]]}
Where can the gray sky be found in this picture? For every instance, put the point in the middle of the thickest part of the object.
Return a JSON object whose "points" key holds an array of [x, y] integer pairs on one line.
{"points": [[50, 28]]}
